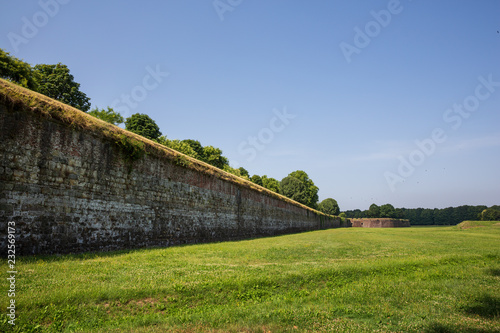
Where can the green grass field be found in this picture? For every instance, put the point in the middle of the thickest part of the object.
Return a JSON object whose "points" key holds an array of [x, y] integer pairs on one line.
{"points": [[422, 279]]}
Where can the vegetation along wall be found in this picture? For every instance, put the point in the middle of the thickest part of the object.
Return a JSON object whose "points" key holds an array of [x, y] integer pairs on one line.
{"points": [[379, 223], [73, 183]]}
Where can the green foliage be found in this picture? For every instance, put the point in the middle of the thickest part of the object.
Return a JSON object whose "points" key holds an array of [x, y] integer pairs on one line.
{"points": [[387, 210], [308, 194], [256, 179], [109, 115], [294, 189], [208, 154], [132, 149], [490, 214], [425, 216], [143, 125], [236, 172], [374, 211], [196, 147], [55, 81], [177, 145], [213, 156], [329, 206], [244, 172], [17, 71], [271, 184], [182, 161]]}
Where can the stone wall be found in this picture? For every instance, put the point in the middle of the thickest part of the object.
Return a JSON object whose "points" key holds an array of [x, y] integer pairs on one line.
{"points": [[69, 186], [379, 223]]}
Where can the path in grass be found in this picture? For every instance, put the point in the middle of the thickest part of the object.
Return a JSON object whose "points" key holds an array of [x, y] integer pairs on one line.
{"points": [[347, 280]]}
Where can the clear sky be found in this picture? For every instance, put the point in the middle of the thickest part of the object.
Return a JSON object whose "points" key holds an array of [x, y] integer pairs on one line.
{"points": [[378, 101]]}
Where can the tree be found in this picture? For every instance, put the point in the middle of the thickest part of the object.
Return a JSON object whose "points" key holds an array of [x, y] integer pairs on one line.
{"points": [[490, 214], [399, 213], [271, 184], [387, 210], [256, 179], [17, 71], [374, 211], [109, 115], [143, 125], [197, 148], [244, 172], [213, 156], [56, 82], [342, 216], [311, 189], [427, 216], [355, 214], [236, 172], [177, 145], [294, 189], [329, 206]]}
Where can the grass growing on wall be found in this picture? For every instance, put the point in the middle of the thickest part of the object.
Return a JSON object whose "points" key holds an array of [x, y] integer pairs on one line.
{"points": [[343, 280]]}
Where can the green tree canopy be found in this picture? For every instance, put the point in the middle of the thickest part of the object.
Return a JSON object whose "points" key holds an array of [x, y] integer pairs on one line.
{"points": [[374, 211], [109, 115], [208, 154], [256, 179], [177, 145], [491, 214], [421, 216], [271, 184], [234, 171], [197, 148], [311, 194], [329, 206], [17, 71], [387, 210], [244, 172], [143, 125], [56, 82], [294, 189], [213, 156]]}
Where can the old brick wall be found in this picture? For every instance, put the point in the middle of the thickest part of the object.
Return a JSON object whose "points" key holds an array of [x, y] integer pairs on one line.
{"points": [[379, 223], [71, 190]]}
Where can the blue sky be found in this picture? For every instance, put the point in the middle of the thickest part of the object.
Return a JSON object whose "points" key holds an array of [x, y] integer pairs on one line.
{"points": [[378, 101]]}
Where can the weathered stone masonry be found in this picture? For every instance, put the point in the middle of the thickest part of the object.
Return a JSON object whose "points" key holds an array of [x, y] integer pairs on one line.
{"points": [[71, 190]]}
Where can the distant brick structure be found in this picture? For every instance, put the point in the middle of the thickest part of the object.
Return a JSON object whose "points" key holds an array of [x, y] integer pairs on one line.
{"points": [[380, 223]]}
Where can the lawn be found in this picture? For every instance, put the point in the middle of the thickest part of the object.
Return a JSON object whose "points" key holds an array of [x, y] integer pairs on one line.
{"points": [[443, 279]]}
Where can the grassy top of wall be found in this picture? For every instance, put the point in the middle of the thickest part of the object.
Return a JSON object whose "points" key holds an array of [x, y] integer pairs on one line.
{"points": [[19, 98]]}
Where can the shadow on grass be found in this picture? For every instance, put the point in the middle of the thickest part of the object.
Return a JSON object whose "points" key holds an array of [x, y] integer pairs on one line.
{"points": [[441, 328], [494, 271], [487, 307], [76, 256], [119, 252]]}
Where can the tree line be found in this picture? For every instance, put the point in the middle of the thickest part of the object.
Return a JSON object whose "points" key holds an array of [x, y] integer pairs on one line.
{"points": [[55, 81], [426, 216]]}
